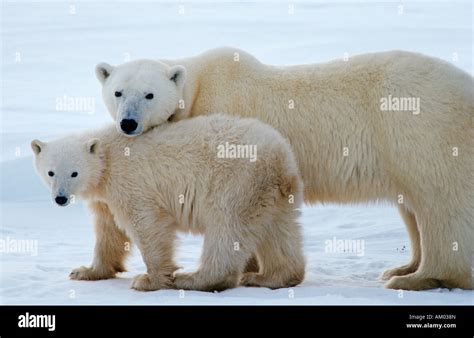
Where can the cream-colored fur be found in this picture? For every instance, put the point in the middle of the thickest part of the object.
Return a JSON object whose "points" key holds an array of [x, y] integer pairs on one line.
{"points": [[349, 150], [171, 179]]}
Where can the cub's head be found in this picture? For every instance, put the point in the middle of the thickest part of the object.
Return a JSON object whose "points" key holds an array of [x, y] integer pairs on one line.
{"points": [[141, 94], [68, 167]]}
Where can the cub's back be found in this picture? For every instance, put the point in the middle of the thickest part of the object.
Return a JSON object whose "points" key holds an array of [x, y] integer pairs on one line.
{"points": [[204, 134], [197, 150]]}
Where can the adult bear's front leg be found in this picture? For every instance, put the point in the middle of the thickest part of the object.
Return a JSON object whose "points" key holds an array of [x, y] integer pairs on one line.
{"points": [[111, 248]]}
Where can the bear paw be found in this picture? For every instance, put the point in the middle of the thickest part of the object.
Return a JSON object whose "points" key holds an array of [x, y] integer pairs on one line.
{"points": [[185, 281], [85, 273], [412, 282], [200, 282], [273, 282], [147, 282], [251, 279], [398, 271]]}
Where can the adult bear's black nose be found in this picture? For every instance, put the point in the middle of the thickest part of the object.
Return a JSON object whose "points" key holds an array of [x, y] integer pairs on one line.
{"points": [[61, 200], [128, 125]]}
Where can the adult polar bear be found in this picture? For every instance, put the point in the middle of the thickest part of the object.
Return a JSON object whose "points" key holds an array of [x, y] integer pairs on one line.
{"points": [[353, 143]]}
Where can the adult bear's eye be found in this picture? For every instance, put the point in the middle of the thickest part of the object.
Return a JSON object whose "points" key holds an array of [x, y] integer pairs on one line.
{"points": [[74, 174], [149, 96], [118, 94], [50, 173]]}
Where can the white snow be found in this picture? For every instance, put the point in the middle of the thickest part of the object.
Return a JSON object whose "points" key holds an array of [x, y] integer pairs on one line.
{"points": [[48, 53]]}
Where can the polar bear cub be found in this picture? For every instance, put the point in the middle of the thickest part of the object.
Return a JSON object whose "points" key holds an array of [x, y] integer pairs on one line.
{"points": [[233, 180]]}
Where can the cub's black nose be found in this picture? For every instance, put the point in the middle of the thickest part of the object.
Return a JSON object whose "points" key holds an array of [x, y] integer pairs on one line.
{"points": [[61, 200], [128, 125]]}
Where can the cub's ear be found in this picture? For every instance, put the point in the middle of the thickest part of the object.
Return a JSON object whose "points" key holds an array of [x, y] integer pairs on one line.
{"points": [[37, 146], [92, 146], [103, 71], [177, 74]]}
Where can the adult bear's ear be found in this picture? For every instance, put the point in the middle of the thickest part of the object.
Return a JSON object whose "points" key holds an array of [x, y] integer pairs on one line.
{"points": [[177, 74], [92, 146], [37, 146], [103, 71]]}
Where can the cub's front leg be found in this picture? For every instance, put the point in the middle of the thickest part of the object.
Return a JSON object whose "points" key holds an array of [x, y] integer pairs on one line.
{"points": [[111, 248], [155, 235]]}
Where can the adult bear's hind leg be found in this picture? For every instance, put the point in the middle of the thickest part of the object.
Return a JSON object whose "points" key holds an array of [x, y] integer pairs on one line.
{"points": [[414, 234], [446, 244]]}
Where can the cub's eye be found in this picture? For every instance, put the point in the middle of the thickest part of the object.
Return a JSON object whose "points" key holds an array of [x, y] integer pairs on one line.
{"points": [[74, 174], [118, 94], [50, 173], [149, 96]]}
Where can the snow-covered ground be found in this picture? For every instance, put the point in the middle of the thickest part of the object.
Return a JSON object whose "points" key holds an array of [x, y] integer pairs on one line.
{"points": [[49, 52]]}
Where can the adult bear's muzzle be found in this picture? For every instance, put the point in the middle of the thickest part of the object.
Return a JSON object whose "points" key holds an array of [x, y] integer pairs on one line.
{"points": [[128, 126]]}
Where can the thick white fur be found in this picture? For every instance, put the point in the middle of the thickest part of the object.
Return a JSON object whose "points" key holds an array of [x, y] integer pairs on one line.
{"points": [[165, 83], [171, 179], [389, 153]]}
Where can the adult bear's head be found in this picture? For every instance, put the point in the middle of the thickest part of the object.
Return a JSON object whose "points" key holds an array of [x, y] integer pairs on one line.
{"points": [[141, 94]]}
